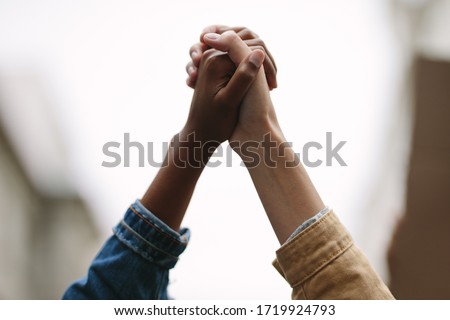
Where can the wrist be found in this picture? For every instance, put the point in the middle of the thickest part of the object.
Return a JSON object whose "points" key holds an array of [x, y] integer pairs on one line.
{"points": [[256, 120], [254, 135], [189, 150], [268, 148], [198, 135], [269, 126]]}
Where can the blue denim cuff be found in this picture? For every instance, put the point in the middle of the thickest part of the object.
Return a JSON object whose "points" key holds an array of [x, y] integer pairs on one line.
{"points": [[141, 231], [309, 222]]}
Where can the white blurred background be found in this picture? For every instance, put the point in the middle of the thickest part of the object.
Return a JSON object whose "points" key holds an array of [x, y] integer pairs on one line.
{"points": [[77, 74]]}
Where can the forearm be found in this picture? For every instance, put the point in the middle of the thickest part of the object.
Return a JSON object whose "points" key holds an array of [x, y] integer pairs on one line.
{"points": [[283, 185], [211, 120], [169, 194]]}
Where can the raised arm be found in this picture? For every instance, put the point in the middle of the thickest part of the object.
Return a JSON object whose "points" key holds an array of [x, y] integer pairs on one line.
{"points": [[134, 263], [287, 194], [212, 118], [317, 256]]}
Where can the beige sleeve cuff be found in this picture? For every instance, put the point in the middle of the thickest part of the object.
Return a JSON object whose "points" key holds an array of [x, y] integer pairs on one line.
{"points": [[322, 262]]}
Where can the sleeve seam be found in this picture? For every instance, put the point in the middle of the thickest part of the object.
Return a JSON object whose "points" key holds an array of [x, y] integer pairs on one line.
{"points": [[157, 229], [140, 238], [324, 262], [305, 232]]}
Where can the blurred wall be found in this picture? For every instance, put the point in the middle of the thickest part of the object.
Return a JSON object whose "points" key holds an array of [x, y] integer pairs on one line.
{"points": [[419, 255], [45, 242]]}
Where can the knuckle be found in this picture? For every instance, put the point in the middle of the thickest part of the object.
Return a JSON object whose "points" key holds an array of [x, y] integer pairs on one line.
{"points": [[245, 34], [247, 71], [259, 42], [209, 64], [198, 47], [230, 36], [213, 60], [248, 34], [188, 65], [208, 55], [221, 98], [221, 28], [258, 47], [190, 83], [238, 28]]}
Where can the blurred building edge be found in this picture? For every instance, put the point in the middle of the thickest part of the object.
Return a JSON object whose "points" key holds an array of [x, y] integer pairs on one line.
{"points": [[419, 256], [420, 253], [47, 239]]}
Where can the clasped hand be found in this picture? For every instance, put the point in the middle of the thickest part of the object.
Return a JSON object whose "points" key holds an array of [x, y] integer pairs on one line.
{"points": [[232, 72]]}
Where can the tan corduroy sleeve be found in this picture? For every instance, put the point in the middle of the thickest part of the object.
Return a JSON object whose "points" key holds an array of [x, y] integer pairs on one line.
{"points": [[322, 262]]}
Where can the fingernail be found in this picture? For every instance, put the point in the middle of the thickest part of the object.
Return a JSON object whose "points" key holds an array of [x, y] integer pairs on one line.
{"points": [[256, 59], [212, 36], [194, 54], [190, 70]]}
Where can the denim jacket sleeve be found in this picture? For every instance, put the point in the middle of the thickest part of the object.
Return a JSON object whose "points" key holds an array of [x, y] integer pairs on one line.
{"points": [[134, 263], [322, 262]]}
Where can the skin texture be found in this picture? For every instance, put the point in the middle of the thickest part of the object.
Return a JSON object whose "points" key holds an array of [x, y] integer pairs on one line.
{"points": [[286, 192], [234, 104], [220, 88], [250, 38]]}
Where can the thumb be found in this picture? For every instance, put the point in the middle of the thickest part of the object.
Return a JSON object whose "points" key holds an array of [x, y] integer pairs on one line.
{"points": [[242, 79], [230, 43]]}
